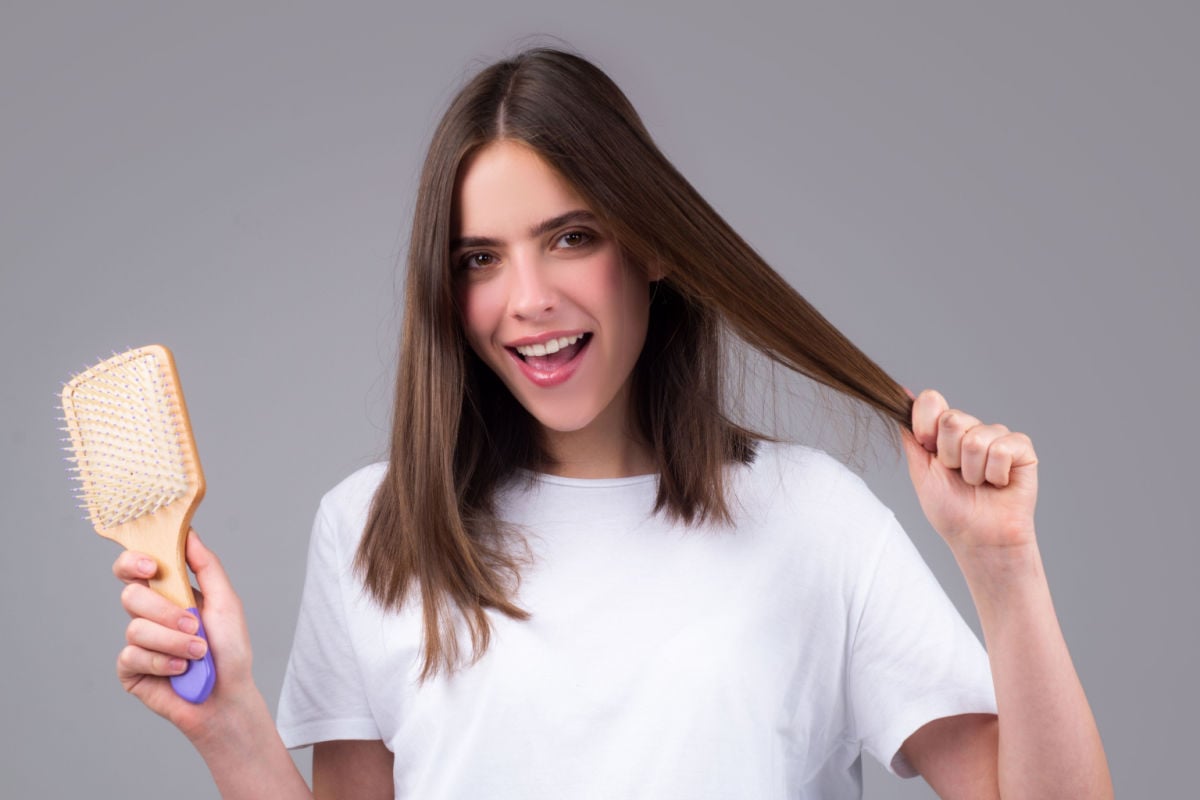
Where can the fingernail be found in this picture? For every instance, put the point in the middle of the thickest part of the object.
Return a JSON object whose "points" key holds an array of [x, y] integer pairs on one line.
{"points": [[189, 624], [196, 648], [177, 665], [145, 566]]}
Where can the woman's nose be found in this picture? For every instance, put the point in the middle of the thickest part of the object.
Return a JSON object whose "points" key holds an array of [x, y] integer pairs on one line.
{"points": [[532, 294]]}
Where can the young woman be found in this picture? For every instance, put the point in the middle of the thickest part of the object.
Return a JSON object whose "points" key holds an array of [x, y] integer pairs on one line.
{"points": [[576, 576]]}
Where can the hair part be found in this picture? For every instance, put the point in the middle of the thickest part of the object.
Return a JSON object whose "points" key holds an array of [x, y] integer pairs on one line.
{"points": [[458, 434]]}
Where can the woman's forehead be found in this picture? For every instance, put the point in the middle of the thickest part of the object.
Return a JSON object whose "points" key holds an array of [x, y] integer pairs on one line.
{"points": [[505, 187]]}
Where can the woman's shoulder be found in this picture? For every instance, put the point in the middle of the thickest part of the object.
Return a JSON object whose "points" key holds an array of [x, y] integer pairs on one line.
{"points": [[807, 471], [347, 504], [802, 488]]}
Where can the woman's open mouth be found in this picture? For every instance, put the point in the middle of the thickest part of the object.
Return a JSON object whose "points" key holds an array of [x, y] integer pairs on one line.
{"points": [[553, 361]]}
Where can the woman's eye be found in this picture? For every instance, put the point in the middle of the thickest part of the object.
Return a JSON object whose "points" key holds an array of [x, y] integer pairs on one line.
{"points": [[476, 260], [574, 238]]}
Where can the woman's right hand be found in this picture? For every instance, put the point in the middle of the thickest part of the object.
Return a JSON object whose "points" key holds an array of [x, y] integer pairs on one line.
{"points": [[160, 635]]}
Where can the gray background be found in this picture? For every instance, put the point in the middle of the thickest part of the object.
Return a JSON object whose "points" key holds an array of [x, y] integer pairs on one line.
{"points": [[997, 202]]}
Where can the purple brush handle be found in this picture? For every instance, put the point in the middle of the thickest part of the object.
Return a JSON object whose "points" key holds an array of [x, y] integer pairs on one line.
{"points": [[196, 684]]}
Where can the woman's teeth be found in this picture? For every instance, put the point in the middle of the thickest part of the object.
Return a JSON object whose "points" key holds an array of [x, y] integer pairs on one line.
{"points": [[551, 346]]}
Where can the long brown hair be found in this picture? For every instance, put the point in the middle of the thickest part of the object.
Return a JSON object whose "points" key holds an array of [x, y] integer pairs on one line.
{"points": [[458, 433]]}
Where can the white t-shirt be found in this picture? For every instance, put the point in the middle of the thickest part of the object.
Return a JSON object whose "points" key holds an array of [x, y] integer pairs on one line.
{"points": [[660, 661]]}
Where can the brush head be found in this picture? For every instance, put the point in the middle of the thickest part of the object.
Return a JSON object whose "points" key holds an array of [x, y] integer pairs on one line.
{"points": [[133, 452]]}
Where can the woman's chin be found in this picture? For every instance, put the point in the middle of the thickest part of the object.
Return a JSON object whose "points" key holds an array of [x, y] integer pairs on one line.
{"points": [[563, 425]]}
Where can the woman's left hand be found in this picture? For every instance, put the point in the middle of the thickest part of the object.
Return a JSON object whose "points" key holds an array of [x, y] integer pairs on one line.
{"points": [[977, 483]]}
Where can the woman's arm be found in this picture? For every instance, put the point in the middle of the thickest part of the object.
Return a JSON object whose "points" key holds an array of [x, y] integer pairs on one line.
{"points": [[246, 757], [232, 730], [352, 770], [978, 486]]}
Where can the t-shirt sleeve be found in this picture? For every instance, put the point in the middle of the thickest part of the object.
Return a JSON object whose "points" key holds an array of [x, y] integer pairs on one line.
{"points": [[323, 697], [914, 659]]}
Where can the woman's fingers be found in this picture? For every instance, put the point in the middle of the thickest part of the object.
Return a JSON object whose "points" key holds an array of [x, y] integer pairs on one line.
{"points": [[151, 636], [162, 638], [1011, 449], [952, 426], [976, 456], [957, 440], [134, 567], [133, 662], [143, 602], [161, 635], [940, 429]]}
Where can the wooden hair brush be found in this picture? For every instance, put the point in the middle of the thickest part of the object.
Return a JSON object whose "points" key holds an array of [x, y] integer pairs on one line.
{"points": [[139, 475]]}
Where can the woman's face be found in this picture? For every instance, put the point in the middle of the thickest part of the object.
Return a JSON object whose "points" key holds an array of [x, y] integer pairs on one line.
{"points": [[547, 300]]}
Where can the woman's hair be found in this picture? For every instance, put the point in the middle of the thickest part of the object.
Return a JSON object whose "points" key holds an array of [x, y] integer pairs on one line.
{"points": [[458, 432]]}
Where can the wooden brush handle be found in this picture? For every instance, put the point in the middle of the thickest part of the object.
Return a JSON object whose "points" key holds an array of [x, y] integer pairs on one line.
{"points": [[152, 534]]}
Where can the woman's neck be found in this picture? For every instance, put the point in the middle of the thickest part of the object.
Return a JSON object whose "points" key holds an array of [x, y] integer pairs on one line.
{"points": [[580, 454], [609, 447]]}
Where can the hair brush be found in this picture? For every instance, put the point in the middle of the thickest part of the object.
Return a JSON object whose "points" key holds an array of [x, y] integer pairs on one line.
{"points": [[139, 475]]}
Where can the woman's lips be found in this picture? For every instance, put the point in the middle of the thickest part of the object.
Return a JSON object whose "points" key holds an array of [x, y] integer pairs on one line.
{"points": [[553, 368]]}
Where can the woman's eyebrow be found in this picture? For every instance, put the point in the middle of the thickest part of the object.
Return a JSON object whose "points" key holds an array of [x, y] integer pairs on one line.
{"points": [[545, 226]]}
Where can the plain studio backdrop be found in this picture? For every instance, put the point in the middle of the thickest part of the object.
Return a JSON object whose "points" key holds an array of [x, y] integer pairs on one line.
{"points": [[998, 201]]}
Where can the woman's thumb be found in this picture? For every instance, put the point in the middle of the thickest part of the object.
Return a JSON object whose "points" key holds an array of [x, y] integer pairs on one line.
{"points": [[214, 583], [917, 456]]}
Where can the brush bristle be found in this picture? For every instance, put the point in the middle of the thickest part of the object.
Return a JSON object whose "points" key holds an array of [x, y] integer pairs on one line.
{"points": [[124, 423]]}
